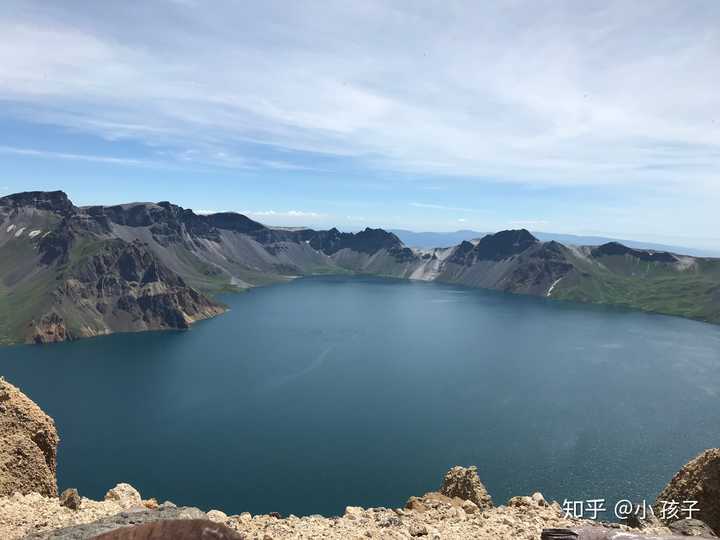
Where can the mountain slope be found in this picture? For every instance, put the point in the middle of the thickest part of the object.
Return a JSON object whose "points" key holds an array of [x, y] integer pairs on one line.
{"points": [[659, 282], [68, 272], [63, 276]]}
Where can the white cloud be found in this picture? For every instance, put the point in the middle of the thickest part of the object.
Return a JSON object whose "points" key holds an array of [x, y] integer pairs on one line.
{"points": [[433, 206], [529, 223], [614, 103], [544, 93], [76, 157]]}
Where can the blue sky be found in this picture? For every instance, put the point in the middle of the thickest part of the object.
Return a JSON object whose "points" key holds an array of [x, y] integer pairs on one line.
{"points": [[574, 117]]}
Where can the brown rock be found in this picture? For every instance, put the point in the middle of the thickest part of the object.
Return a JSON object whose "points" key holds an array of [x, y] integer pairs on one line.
{"points": [[538, 499], [434, 496], [125, 495], [699, 481], [28, 445], [415, 505], [520, 501], [353, 510], [465, 484], [470, 507], [49, 329], [70, 498], [217, 516], [418, 529]]}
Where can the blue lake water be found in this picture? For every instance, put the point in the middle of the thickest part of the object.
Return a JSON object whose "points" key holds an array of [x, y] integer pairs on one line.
{"points": [[335, 391]]}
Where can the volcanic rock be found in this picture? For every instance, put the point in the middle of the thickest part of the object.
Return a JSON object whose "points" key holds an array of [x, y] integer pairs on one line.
{"points": [[28, 445]]}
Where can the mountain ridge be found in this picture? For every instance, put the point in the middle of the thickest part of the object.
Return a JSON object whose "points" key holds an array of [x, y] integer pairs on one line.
{"points": [[68, 272], [428, 239]]}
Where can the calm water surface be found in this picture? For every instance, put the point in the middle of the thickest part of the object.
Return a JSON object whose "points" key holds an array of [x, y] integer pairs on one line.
{"points": [[337, 391]]}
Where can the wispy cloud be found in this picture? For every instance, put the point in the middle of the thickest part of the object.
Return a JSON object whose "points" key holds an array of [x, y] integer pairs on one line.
{"points": [[530, 92], [76, 157], [526, 99], [530, 223], [434, 206]]}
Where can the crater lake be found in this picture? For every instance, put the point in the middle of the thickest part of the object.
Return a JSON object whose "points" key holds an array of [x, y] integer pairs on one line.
{"points": [[332, 391]]}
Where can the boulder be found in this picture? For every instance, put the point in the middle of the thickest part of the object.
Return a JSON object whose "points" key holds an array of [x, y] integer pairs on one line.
{"points": [[642, 518], [418, 529], [28, 445], [125, 495], [415, 504], [70, 498], [470, 507], [121, 523], [465, 484], [699, 481], [217, 516]]}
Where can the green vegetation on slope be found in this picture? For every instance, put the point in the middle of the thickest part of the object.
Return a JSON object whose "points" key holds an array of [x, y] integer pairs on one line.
{"points": [[693, 293]]}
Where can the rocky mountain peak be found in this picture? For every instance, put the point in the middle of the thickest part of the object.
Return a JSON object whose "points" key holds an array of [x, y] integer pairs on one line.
{"points": [[366, 241], [617, 249], [504, 244], [611, 248], [232, 221], [53, 201]]}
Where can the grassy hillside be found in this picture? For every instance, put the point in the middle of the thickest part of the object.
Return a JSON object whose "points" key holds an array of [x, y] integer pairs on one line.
{"points": [[692, 292]]}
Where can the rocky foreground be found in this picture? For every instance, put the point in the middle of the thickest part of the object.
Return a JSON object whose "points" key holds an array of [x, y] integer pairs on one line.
{"points": [[461, 508], [432, 516]]}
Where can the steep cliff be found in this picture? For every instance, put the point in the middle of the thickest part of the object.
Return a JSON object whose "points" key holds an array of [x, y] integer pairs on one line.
{"points": [[64, 275]]}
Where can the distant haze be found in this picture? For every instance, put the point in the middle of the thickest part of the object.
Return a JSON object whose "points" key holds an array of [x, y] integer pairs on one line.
{"points": [[446, 239]]}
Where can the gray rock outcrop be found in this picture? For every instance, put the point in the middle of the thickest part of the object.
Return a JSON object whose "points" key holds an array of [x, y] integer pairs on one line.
{"points": [[118, 521]]}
